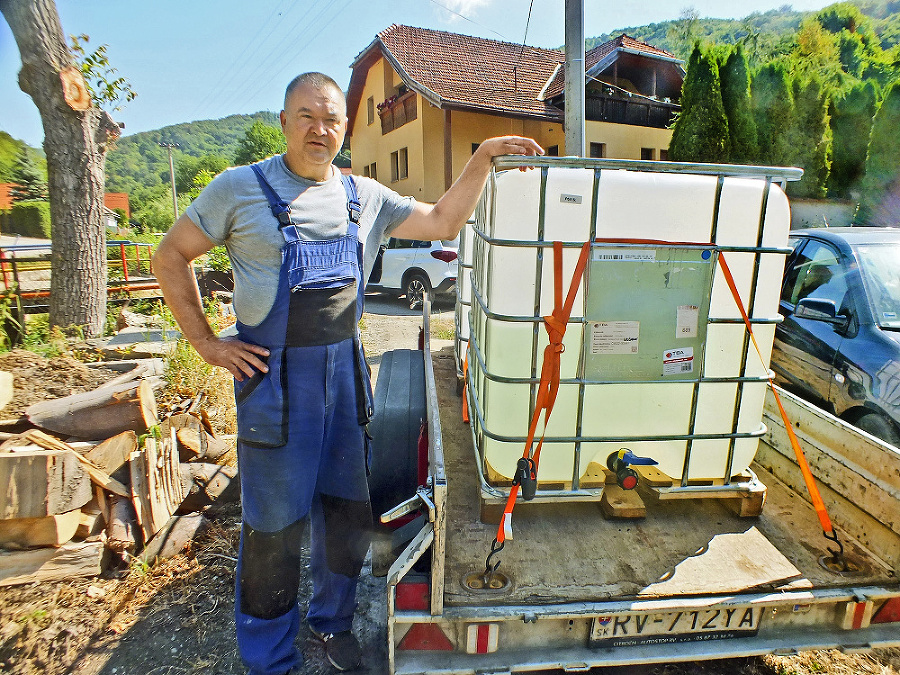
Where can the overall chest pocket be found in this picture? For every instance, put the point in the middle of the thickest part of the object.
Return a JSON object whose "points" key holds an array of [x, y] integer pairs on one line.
{"points": [[321, 264]]}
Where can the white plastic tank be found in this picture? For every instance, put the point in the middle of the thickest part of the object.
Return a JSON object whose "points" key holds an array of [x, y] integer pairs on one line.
{"points": [[656, 355]]}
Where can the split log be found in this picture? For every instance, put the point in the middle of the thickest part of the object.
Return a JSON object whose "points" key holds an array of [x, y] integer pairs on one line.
{"points": [[38, 482], [122, 530], [99, 413], [155, 484], [92, 521], [73, 559], [97, 474], [174, 537], [6, 388], [200, 444], [207, 484], [113, 453], [18, 533]]}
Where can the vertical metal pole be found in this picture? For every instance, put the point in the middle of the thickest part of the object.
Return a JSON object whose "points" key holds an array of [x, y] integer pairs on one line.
{"points": [[574, 78], [172, 176]]}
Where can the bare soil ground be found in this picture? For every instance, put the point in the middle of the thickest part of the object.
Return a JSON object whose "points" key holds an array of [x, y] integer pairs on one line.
{"points": [[176, 617]]}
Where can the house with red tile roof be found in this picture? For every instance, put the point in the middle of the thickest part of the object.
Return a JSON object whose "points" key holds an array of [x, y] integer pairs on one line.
{"points": [[420, 101]]}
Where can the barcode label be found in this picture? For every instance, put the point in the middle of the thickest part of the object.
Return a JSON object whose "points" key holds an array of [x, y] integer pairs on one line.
{"points": [[618, 254], [678, 361]]}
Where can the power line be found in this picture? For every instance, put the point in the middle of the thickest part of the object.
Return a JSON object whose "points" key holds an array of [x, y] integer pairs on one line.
{"points": [[233, 70], [304, 46], [278, 52], [472, 21]]}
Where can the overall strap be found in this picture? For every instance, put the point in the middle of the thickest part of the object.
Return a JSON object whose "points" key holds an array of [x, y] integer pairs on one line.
{"points": [[354, 208], [280, 208]]}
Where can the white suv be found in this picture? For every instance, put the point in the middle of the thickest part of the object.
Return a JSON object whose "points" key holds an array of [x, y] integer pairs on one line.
{"points": [[416, 267]]}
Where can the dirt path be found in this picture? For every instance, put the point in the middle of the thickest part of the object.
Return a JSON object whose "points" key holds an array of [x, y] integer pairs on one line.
{"points": [[176, 618]]}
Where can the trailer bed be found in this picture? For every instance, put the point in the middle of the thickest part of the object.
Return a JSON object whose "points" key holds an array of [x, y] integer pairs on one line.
{"points": [[569, 552]]}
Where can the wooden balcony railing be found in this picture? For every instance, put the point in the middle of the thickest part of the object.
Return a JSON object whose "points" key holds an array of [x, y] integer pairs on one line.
{"points": [[397, 113]]}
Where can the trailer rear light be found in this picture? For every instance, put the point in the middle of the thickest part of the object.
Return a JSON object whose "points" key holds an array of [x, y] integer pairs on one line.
{"points": [[446, 256], [889, 612], [426, 637], [413, 595], [481, 638]]}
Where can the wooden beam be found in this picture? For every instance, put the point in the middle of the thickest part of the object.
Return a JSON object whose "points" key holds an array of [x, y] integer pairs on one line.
{"points": [[47, 531], [448, 150]]}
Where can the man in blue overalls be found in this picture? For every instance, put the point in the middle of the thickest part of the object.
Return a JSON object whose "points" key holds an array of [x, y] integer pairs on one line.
{"points": [[302, 239]]}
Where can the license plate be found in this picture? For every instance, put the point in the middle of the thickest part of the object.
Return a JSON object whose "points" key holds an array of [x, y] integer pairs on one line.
{"points": [[690, 625]]}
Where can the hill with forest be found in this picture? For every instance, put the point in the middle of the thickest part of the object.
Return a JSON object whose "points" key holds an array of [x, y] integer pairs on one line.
{"points": [[138, 162], [763, 34]]}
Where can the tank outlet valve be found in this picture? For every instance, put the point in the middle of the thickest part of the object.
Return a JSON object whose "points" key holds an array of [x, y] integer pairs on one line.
{"points": [[620, 462]]}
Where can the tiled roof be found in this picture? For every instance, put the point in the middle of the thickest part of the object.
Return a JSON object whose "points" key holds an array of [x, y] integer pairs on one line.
{"points": [[598, 53], [454, 70]]}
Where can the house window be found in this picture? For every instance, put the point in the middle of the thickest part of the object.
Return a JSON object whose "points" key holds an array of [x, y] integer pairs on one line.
{"points": [[475, 147], [648, 153], [553, 151], [370, 110], [370, 171], [399, 165], [598, 150], [664, 154]]}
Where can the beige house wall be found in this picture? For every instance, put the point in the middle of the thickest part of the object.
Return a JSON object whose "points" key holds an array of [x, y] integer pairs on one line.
{"points": [[624, 141]]}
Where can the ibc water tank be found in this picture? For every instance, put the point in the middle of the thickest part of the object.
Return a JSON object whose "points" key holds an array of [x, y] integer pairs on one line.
{"points": [[657, 358]]}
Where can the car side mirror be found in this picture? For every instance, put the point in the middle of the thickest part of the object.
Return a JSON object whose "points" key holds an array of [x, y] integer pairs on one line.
{"points": [[820, 309]]}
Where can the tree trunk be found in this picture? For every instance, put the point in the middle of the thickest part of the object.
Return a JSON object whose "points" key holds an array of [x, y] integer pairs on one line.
{"points": [[75, 143]]}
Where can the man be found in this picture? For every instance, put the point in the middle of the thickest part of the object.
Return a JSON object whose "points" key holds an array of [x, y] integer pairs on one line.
{"points": [[303, 240]]}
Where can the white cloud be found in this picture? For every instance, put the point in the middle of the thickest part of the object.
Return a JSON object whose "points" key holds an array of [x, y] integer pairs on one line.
{"points": [[467, 8]]}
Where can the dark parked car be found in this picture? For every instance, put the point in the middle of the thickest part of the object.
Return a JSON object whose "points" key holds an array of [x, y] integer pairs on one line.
{"points": [[839, 343]]}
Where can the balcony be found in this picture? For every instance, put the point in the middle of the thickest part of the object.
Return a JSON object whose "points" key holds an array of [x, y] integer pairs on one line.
{"points": [[397, 111], [634, 110]]}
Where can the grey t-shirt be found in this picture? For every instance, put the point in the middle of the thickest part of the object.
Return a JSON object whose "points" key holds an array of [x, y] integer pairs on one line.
{"points": [[232, 210]]}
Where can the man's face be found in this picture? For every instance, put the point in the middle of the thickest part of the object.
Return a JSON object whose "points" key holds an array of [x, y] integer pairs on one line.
{"points": [[314, 122]]}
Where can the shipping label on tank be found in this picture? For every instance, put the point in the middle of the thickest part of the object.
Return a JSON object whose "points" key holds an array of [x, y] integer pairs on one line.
{"points": [[686, 320], [615, 337], [678, 361], [624, 254]]}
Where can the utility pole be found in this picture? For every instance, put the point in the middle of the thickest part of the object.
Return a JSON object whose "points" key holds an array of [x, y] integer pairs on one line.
{"points": [[169, 147], [574, 119]]}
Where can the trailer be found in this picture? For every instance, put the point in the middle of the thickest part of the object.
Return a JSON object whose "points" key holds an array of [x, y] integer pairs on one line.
{"points": [[597, 575]]}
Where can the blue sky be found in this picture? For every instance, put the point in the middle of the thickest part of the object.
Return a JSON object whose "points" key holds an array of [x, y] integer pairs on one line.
{"points": [[206, 59]]}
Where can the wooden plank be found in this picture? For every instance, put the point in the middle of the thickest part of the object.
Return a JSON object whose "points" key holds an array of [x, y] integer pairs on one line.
{"points": [[35, 482], [47, 531], [858, 470], [71, 560], [650, 476], [749, 558], [619, 503], [175, 536]]}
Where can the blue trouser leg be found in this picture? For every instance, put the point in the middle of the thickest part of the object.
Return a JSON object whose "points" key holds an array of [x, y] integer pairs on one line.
{"points": [[321, 473]]}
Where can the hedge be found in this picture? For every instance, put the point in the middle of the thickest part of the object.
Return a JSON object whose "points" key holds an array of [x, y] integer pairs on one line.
{"points": [[29, 218]]}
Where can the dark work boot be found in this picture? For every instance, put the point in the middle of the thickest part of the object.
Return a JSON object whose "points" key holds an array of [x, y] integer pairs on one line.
{"points": [[342, 649]]}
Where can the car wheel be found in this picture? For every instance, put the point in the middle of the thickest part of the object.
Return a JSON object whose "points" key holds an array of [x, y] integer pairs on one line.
{"points": [[880, 427], [416, 287]]}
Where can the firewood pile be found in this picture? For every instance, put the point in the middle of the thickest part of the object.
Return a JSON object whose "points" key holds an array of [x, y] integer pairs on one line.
{"points": [[96, 479]]}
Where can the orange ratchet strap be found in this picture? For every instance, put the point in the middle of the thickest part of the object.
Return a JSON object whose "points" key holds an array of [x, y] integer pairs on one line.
{"points": [[814, 495], [548, 387]]}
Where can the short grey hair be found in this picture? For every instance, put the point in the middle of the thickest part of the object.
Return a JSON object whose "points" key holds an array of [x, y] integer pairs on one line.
{"points": [[317, 80]]}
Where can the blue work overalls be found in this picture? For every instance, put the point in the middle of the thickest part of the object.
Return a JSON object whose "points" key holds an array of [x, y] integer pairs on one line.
{"points": [[302, 446]]}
